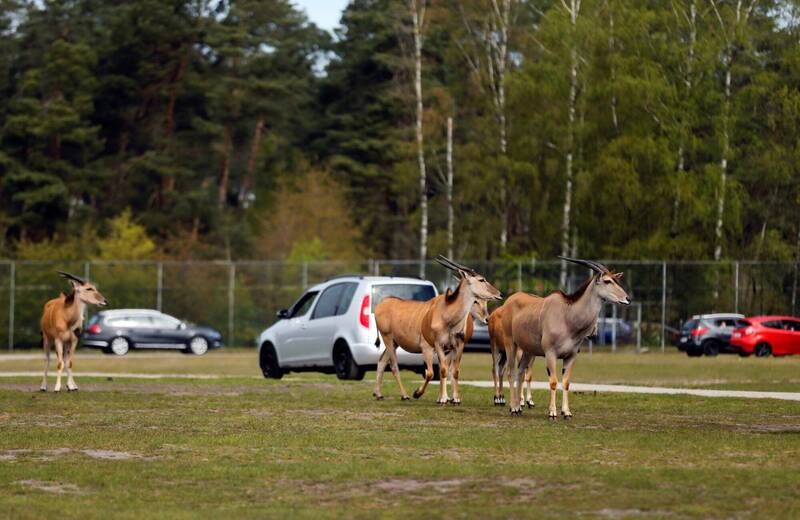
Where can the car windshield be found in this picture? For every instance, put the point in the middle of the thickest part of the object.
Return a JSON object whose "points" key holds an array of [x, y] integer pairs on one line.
{"points": [[689, 325], [410, 291]]}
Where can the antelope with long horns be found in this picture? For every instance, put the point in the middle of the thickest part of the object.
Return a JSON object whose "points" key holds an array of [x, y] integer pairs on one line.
{"points": [[428, 328], [61, 324], [500, 349], [553, 327]]}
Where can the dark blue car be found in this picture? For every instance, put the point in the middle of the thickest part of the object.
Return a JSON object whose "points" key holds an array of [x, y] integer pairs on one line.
{"points": [[117, 331]]}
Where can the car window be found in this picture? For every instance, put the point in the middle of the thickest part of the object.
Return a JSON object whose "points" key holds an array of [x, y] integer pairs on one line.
{"points": [[328, 303], [346, 298], [689, 325], [723, 322], [773, 324], [131, 322], [793, 325], [742, 323], [165, 322], [415, 291], [301, 306]]}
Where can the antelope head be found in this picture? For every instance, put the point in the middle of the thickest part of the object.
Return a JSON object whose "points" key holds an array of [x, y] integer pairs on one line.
{"points": [[477, 283], [606, 283], [480, 311], [85, 291]]}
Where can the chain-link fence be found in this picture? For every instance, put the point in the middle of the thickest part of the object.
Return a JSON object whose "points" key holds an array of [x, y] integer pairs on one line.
{"points": [[241, 298]]}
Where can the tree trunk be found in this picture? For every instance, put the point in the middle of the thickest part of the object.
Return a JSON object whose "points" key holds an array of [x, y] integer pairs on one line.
{"points": [[723, 177], [449, 187], [244, 189], [418, 18], [573, 94], [683, 129], [611, 46], [226, 168]]}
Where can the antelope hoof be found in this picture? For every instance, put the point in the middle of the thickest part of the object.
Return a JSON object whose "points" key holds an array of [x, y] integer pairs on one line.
{"points": [[72, 389], [405, 398], [417, 394], [377, 397], [455, 402], [566, 415], [552, 415], [442, 403], [531, 403], [515, 412]]}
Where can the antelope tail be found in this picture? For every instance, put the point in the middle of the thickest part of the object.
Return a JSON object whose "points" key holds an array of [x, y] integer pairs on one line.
{"points": [[378, 341]]}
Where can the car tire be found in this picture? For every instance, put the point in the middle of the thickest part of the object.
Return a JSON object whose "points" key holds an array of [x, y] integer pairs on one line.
{"points": [[694, 351], [268, 360], [344, 364], [119, 346], [762, 350], [711, 348], [198, 346]]}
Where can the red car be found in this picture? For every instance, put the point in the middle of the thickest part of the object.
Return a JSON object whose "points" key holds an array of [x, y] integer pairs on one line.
{"points": [[765, 335]]}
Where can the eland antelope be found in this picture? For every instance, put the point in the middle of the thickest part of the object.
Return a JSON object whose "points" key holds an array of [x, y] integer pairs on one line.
{"points": [[428, 328], [61, 325], [553, 327]]}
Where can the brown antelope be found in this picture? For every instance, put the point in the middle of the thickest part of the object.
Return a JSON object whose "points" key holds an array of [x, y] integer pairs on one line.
{"points": [[479, 312], [554, 327], [61, 324], [429, 327], [498, 347]]}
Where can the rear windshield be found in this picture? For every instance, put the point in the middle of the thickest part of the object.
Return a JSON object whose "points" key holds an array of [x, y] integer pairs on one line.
{"points": [[742, 323], [418, 292], [689, 325]]}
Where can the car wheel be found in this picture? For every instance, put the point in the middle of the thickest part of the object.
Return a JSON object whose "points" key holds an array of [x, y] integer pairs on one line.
{"points": [[711, 348], [762, 350], [198, 345], [694, 351], [269, 362], [344, 364], [119, 346]]}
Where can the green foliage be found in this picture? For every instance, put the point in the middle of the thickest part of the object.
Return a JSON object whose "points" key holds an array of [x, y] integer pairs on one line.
{"points": [[197, 116], [125, 239]]}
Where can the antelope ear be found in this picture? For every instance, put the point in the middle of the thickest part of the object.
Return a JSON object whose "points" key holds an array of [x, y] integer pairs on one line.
{"points": [[617, 276]]}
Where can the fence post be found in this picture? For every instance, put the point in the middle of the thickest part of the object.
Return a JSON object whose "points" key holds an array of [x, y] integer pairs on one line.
{"points": [[86, 276], [613, 328], [12, 287], [231, 301], [736, 288], [519, 276], [159, 285], [377, 266], [663, 306], [638, 327], [305, 276]]}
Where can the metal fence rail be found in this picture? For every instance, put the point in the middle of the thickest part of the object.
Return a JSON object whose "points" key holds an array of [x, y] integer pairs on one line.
{"points": [[241, 298]]}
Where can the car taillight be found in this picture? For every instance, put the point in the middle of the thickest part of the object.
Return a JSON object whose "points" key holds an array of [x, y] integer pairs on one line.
{"points": [[93, 329], [363, 316], [699, 331], [748, 331]]}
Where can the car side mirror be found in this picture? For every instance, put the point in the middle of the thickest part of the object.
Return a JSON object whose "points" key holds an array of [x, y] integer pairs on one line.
{"points": [[282, 314]]}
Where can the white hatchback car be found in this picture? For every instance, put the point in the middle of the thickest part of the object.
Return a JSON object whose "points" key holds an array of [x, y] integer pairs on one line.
{"points": [[331, 328]]}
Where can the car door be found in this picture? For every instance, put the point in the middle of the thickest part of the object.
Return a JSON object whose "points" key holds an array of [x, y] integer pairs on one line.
{"points": [[724, 330], [776, 335], [792, 328], [316, 344], [290, 330], [167, 332]]}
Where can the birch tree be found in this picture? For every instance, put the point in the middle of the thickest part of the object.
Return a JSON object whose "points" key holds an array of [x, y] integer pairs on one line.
{"points": [[417, 10], [487, 56], [572, 8], [731, 30]]}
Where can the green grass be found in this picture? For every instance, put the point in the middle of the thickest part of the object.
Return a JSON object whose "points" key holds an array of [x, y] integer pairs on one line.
{"points": [[311, 446]]}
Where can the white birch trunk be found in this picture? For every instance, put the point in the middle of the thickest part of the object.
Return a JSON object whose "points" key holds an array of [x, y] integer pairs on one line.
{"points": [[449, 187], [418, 18], [573, 93], [723, 166], [688, 81]]}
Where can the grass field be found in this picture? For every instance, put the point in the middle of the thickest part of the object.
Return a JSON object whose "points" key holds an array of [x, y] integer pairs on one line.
{"points": [[311, 446]]}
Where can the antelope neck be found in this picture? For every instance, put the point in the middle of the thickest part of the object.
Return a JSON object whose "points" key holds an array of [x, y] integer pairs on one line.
{"points": [[583, 313]]}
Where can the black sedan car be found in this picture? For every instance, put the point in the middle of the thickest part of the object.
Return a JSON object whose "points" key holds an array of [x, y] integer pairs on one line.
{"points": [[119, 330]]}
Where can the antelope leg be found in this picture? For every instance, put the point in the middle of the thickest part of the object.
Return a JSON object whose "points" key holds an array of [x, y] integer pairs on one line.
{"points": [[46, 345], [396, 372], [71, 386], [59, 364], [568, 364], [382, 367], [427, 354], [551, 361], [442, 374]]}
